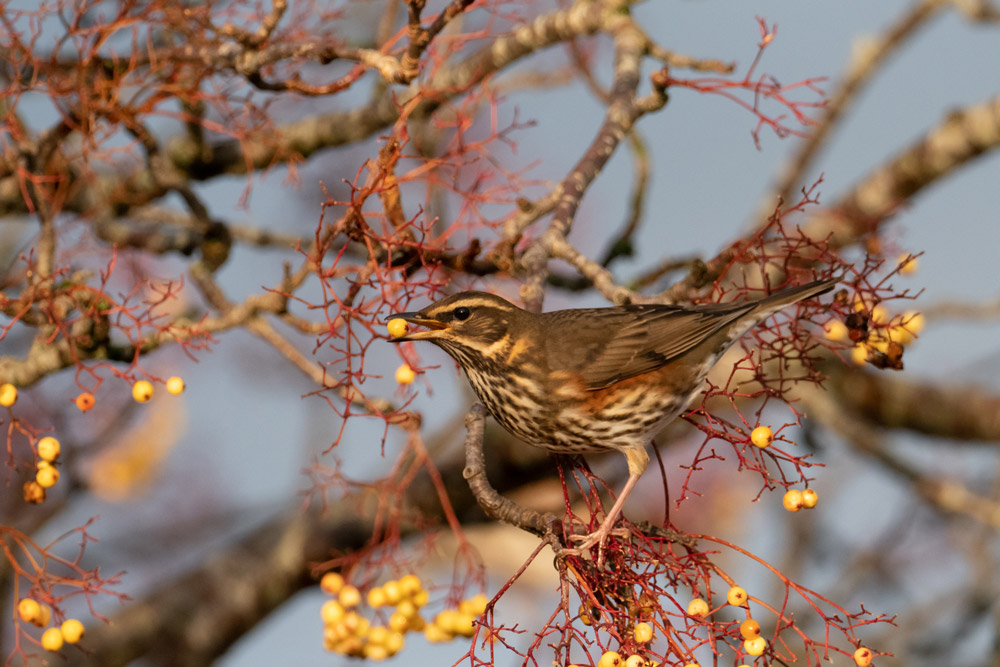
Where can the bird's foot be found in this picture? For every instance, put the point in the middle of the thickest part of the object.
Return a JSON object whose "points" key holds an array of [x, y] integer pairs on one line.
{"points": [[584, 543]]}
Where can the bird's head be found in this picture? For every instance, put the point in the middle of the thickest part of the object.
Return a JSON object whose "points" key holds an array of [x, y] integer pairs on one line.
{"points": [[471, 322]]}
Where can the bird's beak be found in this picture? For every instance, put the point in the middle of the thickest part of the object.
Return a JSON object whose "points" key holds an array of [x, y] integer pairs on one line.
{"points": [[433, 327]]}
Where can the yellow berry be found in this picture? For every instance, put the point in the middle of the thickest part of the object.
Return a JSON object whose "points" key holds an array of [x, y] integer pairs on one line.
{"points": [[351, 646], [406, 608], [72, 630], [356, 624], [479, 604], [410, 584], [792, 500], [47, 477], [398, 327], [420, 597], [44, 615], [635, 660], [376, 597], [84, 401], [899, 333], [749, 629], [331, 582], [453, 621], [908, 264], [863, 657], [809, 498], [762, 436], [377, 634], [584, 615], [28, 610], [393, 592], [375, 652], [445, 620], [859, 354], [436, 635], [465, 624], [350, 596], [880, 315], [52, 639], [476, 605], [914, 322], [836, 330], [405, 374], [692, 664], [48, 449], [8, 395], [399, 622], [610, 659], [175, 386], [736, 596], [878, 342], [329, 643], [349, 623], [394, 642], [142, 391], [697, 608], [755, 646], [333, 633], [332, 612], [643, 632]]}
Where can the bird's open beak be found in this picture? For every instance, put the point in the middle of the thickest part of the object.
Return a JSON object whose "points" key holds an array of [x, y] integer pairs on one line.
{"points": [[433, 327]]}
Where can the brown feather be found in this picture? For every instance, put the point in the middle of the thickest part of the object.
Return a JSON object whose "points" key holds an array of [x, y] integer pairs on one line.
{"points": [[608, 345]]}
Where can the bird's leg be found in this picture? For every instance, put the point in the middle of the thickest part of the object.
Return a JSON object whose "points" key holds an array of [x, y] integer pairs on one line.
{"points": [[600, 536], [637, 461]]}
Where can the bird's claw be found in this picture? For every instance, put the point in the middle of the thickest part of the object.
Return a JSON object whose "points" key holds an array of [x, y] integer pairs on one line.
{"points": [[584, 543]]}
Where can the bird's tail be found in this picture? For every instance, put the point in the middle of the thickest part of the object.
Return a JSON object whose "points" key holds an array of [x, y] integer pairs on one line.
{"points": [[775, 302]]}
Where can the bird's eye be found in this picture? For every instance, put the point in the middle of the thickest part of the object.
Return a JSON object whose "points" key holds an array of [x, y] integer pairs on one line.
{"points": [[461, 313]]}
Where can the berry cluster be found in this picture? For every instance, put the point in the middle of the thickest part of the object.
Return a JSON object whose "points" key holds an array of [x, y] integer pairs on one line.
{"points": [[750, 632], [397, 328], [48, 448], [46, 472], [643, 634], [878, 336], [349, 633], [142, 391], [457, 622], [753, 643], [794, 500], [36, 613]]}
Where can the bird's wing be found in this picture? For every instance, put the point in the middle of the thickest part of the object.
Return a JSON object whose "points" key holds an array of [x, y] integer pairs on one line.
{"points": [[609, 345]]}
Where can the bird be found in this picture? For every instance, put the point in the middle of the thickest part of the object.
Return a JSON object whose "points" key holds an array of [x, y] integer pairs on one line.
{"points": [[587, 380]]}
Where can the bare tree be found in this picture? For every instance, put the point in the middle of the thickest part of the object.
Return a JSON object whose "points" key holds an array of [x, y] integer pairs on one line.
{"points": [[125, 126]]}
